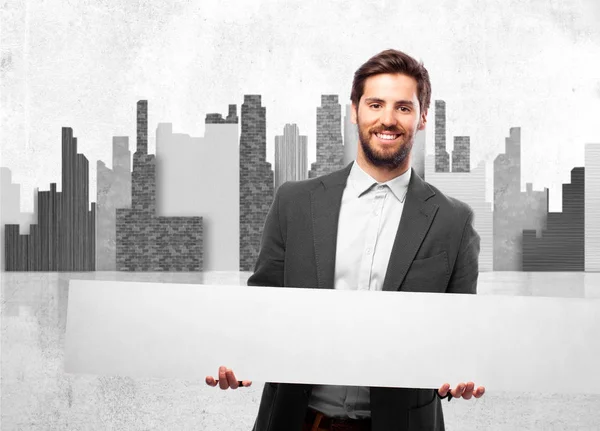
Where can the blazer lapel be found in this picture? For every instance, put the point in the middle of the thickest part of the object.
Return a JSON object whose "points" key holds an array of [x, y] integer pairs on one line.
{"points": [[416, 219], [326, 200]]}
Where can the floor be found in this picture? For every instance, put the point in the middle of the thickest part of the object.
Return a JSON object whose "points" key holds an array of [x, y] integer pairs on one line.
{"points": [[37, 395]]}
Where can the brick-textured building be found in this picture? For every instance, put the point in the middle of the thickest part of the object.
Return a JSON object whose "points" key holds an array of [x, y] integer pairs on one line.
{"points": [[330, 146], [442, 158], [64, 237], [561, 247], [145, 241], [592, 207], [461, 155], [514, 210], [350, 136], [291, 157], [256, 180], [113, 191]]}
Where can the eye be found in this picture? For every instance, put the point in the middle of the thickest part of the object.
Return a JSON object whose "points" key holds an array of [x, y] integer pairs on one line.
{"points": [[404, 108], [375, 105]]}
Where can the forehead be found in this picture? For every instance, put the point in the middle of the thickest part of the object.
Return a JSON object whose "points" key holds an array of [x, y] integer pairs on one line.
{"points": [[387, 86]]}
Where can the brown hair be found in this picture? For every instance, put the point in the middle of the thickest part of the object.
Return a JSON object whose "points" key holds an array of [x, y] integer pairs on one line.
{"points": [[393, 61]]}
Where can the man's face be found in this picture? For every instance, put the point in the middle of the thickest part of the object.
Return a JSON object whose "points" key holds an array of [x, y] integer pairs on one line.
{"points": [[388, 116]]}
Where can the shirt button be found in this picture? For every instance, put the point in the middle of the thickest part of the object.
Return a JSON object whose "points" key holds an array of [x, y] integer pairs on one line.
{"points": [[368, 251]]}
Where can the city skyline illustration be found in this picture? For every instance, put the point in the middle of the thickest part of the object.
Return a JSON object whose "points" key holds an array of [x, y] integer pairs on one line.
{"points": [[200, 203]]}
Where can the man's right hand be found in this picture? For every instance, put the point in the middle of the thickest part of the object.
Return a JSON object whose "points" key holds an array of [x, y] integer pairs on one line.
{"points": [[227, 380]]}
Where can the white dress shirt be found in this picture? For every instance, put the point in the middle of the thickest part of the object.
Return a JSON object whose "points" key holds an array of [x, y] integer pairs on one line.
{"points": [[368, 221]]}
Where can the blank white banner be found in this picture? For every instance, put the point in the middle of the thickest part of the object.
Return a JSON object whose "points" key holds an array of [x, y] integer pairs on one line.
{"points": [[396, 339]]}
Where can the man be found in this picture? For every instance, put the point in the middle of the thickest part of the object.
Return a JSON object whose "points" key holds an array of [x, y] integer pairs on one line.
{"points": [[374, 225]]}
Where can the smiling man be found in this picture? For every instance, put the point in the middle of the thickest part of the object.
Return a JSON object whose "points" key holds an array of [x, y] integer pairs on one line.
{"points": [[375, 225]]}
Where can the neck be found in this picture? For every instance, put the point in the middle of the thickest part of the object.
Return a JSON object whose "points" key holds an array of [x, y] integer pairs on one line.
{"points": [[383, 173]]}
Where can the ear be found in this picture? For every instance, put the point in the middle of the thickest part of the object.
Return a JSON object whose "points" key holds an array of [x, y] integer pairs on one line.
{"points": [[422, 121], [354, 116]]}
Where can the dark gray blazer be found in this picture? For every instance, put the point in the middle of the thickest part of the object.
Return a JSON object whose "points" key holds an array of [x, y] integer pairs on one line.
{"points": [[436, 250]]}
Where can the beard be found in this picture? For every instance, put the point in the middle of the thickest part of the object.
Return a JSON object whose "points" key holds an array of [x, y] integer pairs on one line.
{"points": [[391, 159]]}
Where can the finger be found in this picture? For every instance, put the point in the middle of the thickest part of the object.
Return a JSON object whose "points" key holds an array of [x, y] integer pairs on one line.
{"points": [[468, 393], [223, 378], [458, 391], [443, 390], [479, 392], [231, 380], [210, 380], [246, 383]]}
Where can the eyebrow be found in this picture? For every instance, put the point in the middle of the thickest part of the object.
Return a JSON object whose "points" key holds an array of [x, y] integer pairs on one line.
{"points": [[377, 100]]}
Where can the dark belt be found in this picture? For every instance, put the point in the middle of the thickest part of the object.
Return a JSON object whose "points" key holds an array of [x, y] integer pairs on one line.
{"points": [[337, 424]]}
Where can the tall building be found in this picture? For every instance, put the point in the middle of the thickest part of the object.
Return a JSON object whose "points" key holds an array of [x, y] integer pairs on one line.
{"points": [[330, 148], [514, 211], [442, 159], [461, 155], [199, 176], [64, 237], [470, 188], [350, 137], [10, 210], [256, 180], [561, 247], [113, 191], [592, 207], [291, 157], [145, 241]]}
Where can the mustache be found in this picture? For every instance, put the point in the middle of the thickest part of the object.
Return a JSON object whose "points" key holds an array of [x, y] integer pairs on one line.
{"points": [[393, 130]]}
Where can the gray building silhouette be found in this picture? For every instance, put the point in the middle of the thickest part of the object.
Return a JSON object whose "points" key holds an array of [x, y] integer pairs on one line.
{"points": [[256, 180], [199, 176], [561, 246], [350, 137], [514, 210], [461, 155], [442, 158], [592, 207], [10, 209], [113, 191], [330, 148], [291, 156], [64, 237], [145, 241]]}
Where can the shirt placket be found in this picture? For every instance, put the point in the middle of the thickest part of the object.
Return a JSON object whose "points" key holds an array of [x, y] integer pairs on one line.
{"points": [[372, 230]]}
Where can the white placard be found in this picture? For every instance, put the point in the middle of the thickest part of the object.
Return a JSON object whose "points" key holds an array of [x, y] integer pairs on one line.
{"points": [[396, 339]]}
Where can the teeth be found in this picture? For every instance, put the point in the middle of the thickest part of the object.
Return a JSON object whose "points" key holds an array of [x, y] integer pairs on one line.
{"points": [[387, 137]]}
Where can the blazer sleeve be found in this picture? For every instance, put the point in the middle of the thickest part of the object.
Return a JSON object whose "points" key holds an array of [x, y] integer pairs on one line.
{"points": [[269, 267], [466, 268]]}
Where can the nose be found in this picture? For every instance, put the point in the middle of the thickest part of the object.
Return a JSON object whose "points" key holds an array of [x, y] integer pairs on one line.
{"points": [[388, 119]]}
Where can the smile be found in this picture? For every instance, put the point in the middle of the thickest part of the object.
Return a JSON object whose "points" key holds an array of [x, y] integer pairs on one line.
{"points": [[386, 136]]}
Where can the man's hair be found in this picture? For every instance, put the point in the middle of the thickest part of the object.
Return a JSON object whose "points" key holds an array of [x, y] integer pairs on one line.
{"points": [[393, 61]]}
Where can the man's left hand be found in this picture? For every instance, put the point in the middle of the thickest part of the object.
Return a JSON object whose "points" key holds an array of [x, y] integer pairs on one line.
{"points": [[464, 390]]}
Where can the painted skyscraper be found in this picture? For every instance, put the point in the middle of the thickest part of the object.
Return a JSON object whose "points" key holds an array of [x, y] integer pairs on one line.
{"points": [[64, 237], [330, 148], [10, 209], [350, 137], [561, 245], [592, 207], [461, 155], [291, 157], [145, 241], [442, 159], [199, 176], [113, 191], [514, 211], [256, 180]]}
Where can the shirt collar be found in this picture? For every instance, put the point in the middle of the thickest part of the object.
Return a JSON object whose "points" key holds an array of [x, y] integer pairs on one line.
{"points": [[363, 182]]}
